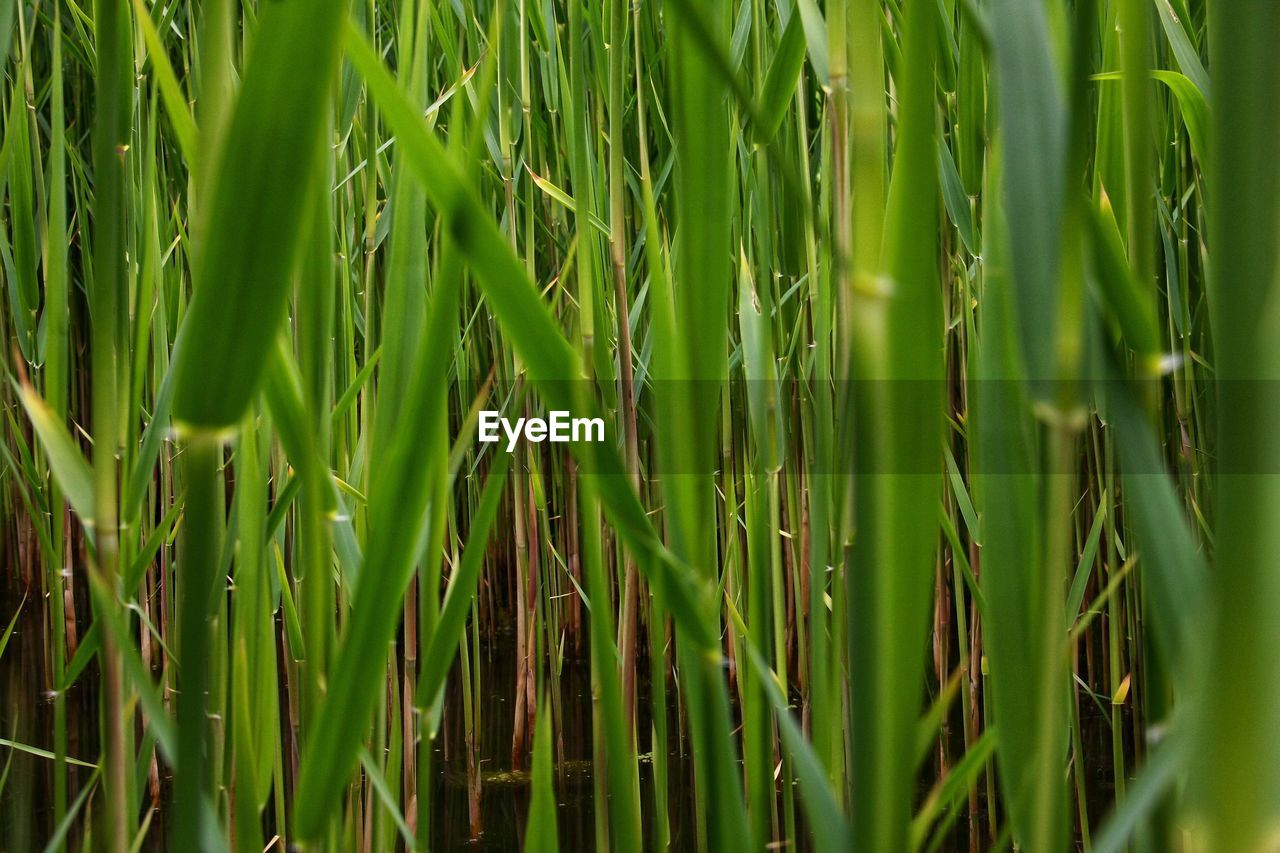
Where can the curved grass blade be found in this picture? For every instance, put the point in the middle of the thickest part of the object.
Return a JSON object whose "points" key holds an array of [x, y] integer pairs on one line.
{"points": [[175, 103], [780, 81], [68, 464], [59, 836], [268, 169]]}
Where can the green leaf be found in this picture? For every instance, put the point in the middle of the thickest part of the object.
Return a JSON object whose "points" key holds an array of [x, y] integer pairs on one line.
{"points": [[566, 200], [58, 838], [826, 821], [540, 834], [1183, 50], [815, 33], [24, 289], [1191, 101], [386, 796], [1033, 150], [1120, 290], [943, 802], [1084, 568], [8, 632], [955, 198], [175, 103], [780, 82], [1195, 111], [65, 459], [1144, 794], [268, 170]]}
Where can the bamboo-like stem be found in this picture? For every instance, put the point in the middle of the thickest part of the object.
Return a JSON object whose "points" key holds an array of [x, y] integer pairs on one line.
{"points": [[109, 294]]}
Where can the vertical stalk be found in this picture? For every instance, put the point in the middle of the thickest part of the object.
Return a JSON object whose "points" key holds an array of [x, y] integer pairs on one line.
{"points": [[897, 369], [1236, 783], [659, 658], [108, 296], [56, 313], [628, 630], [315, 313], [201, 559]]}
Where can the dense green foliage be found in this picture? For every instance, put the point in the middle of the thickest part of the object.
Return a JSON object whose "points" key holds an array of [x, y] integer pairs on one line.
{"points": [[937, 344]]}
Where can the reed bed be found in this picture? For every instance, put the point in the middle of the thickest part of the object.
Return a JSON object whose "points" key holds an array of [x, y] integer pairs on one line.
{"points": [[936, 345]]}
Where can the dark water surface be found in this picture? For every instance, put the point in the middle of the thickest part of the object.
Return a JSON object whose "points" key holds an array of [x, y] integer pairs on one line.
{"points": [[26, 716], [504, 802]]}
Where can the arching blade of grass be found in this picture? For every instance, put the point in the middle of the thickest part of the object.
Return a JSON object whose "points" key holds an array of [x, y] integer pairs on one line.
{"points": [[942, 806], [57, 840], [267, 169], [174, 102], [386, 796], [780, 83], [112, 624], [1183, 50], [68, 464], [42, 753], [1120, 290], [1157, 776], [831, 831]]}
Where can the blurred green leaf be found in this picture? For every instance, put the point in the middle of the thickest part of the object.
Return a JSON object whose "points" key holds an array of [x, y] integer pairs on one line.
{"points": [[268, 170]]}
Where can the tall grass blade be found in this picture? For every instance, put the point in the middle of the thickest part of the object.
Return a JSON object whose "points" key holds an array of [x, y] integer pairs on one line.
{"points": [[267, 169], [1236, 787]]}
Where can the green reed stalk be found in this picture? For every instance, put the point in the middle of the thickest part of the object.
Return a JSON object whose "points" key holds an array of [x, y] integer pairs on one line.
{"points": [[111, 139], [56, 391], [1237, 773], [201, 558], [897, 363]]}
